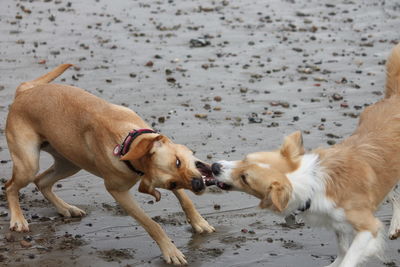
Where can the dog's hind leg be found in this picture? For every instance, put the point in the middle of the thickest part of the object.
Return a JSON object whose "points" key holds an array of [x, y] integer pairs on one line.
{"points": [[368, 240], [24, 147], [394, 198], [62, 168]]}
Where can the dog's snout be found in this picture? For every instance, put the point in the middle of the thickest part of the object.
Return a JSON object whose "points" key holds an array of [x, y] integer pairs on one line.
{"points": [[216, 168], [197, 184]]}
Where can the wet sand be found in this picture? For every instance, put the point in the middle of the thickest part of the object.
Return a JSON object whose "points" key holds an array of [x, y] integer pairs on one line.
{"points": [[263, 69]]}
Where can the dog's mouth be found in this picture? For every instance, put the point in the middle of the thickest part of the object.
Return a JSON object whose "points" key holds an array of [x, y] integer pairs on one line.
{"points": [[208, 177], [223, 186], [206, 173]]}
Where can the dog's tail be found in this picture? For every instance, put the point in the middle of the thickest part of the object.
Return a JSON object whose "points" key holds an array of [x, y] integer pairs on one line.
{"points": [[393, 73], [48, 77]]}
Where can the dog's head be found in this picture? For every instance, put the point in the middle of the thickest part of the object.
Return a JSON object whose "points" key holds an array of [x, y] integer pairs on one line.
{"points": [[263, 174], [166, 165]]}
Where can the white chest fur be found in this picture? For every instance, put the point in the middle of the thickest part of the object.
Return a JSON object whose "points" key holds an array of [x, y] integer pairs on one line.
{"points": [[309, 183]]}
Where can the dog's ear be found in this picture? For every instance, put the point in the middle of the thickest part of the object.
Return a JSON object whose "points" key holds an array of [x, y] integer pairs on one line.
{"points": [[292, 146], [147, 188], [142, 146], [278, 197]]}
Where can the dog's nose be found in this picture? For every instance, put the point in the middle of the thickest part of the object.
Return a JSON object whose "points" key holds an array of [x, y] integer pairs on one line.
{"points": [[197, 184], [216, 168]]}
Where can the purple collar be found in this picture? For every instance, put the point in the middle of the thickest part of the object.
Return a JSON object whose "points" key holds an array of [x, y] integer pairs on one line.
{"points": [[122, 149]]}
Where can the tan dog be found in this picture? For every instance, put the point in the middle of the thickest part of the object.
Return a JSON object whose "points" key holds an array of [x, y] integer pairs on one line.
{"points": [[339, 187], [81, 131]]}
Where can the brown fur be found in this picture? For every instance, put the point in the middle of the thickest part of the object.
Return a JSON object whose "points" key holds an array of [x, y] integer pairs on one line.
{"points": [[365, 167], [80, 131]]}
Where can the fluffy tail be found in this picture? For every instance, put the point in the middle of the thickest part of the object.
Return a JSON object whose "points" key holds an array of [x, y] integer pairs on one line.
{"points": [[48, 77], [393, 73]]}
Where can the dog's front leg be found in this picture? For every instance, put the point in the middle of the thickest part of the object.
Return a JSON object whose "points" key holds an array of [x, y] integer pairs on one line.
{"points": [[199, 224], [170, 253]]}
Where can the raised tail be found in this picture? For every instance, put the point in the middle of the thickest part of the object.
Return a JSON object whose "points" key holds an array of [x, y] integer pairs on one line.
{"points": [[48, 77], [393, 73]]}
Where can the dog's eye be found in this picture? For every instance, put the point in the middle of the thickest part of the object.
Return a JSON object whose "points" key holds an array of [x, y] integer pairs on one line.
{"points": [[244, 179], [178, 163]]}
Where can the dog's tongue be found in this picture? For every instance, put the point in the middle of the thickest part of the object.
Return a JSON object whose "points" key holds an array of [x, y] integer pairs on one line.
{"points": [[209, 181]]}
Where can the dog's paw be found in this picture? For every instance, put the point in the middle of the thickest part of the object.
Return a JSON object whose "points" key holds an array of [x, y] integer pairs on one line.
{"points": [[394, 234], [19, 225], [200, 225], [174, 256], [71, 211]]}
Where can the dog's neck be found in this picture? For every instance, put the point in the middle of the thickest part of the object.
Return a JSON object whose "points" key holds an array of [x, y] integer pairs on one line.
{"points": [[307, 181]]}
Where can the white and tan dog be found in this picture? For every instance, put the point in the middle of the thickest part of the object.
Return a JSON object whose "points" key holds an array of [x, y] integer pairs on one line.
{"points": [[339, 187], [81, 131]]}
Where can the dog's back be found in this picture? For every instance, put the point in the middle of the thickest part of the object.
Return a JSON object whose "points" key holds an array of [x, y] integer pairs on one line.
{"points": [[64, 116], [369, 158]]}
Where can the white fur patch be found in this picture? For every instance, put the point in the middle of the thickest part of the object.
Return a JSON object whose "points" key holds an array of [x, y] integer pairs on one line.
{"points": [[309, 182], [226, 170], [264, 165]]}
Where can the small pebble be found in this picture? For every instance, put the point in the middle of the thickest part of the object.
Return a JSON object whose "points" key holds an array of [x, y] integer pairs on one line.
{"points": [[9, 237], [337, 97], [201, 115], [217, 98], [344, 105], [171, 80], [25, 244], [28, 238]]}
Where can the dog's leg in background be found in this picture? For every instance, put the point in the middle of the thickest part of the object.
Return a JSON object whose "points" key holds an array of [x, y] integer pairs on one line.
{"points": [[198, 223], [394, 198], [343, 240], [170, 252], [24, 146], [62, 168]]}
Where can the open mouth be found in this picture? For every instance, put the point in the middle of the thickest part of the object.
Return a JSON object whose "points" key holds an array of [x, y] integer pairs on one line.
{"points": [[208, 177], [206, 173]]}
